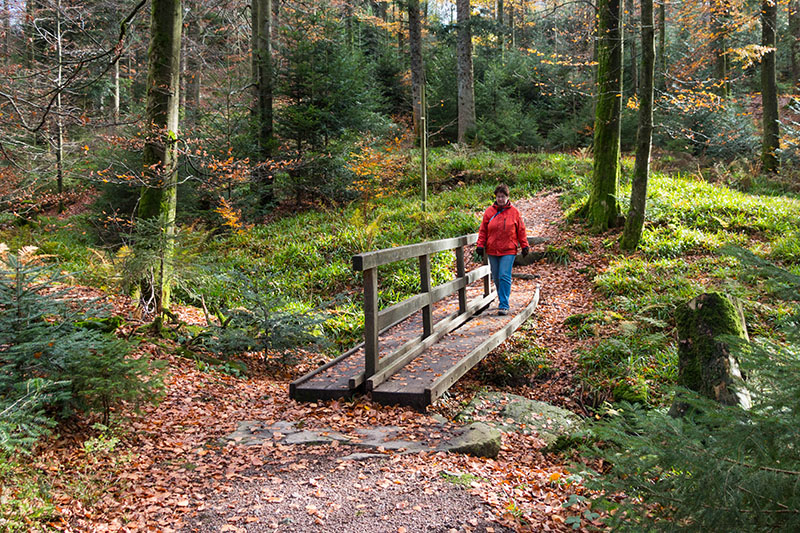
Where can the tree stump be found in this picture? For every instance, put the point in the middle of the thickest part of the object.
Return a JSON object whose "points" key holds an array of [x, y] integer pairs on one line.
{"points": [[705, 363]]}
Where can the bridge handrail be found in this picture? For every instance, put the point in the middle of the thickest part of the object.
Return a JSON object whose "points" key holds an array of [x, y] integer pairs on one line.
{"points": [[368, 260]]}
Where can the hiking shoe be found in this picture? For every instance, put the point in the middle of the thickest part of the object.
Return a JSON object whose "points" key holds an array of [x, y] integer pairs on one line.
{"points": [[502, 312]]}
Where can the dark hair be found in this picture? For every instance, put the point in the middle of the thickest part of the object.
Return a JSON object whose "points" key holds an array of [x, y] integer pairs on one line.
{"points": [[503, 188]]}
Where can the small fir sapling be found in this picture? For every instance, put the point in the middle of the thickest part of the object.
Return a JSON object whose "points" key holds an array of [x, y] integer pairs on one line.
{"points": [[50, 366]]}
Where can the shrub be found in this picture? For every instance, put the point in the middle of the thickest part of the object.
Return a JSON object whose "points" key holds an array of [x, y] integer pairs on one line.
{"points": [[51, 366], [262, 322]]}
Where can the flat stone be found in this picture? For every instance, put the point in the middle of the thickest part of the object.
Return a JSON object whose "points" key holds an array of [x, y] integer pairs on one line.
{"points": [[477, 439], [510, 412]]}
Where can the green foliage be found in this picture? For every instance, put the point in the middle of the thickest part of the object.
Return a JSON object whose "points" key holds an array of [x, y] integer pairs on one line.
{"points": [[722, 132], [26, 504], [524, 361], [328, 84], [634, 366], [719, 468], [264, 323], [559, 255], [49, 366]]}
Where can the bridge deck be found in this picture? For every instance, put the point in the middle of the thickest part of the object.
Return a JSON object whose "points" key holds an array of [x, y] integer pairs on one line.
{"points": [[427, 377]]}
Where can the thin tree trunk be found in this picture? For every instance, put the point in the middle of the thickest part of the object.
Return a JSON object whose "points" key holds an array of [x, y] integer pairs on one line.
{"points": [[116, 92], [630, 42], [644, 140], [769, 88], [500, 24], [662, 44], [398, 18], [7, 30], [158, 199], [264, 56], [719, 13], [417, 69], [794, 42], [466, 85], [59, 111], [602, 210]]}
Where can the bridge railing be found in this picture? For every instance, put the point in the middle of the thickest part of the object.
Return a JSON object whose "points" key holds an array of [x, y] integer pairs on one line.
{"points": [[376, 369]]}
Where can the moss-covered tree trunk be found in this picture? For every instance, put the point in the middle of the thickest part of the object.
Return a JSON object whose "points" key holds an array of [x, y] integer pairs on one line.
{"points": [[417, 69], [602, 210], [466, 84], [158, 198], [769, 88], [644, 139], [705, 362]]}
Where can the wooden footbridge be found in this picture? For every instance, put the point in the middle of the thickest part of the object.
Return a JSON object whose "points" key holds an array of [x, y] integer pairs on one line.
{"points": [[416, 349]]}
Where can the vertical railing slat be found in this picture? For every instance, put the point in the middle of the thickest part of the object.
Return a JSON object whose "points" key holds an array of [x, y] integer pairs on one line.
{"points": [[461, 272], [425, 286], [370, 321]]}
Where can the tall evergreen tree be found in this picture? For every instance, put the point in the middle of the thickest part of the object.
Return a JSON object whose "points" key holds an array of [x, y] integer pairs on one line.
{"points": [[641, 169], [769, 87], [158, 199], [602, 210]]}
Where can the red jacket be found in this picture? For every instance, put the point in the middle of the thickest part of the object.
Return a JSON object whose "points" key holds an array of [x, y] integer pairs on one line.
{"points": [[501, 230]]}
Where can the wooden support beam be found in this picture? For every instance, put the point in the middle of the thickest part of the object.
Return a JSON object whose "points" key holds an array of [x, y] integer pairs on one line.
{"points": [[371, 321], [461, 272], [425, 288]]}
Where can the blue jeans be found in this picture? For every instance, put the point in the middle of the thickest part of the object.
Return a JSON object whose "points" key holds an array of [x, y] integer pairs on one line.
{"points": [[501, 275]]}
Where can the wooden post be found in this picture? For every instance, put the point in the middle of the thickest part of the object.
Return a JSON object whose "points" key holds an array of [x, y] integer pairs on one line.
{"points": [[425, 284], [487, 279], [370, 321], [461, 272]]}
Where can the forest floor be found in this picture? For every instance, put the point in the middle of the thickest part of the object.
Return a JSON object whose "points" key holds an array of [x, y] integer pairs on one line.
{"points": [[173, 470]]}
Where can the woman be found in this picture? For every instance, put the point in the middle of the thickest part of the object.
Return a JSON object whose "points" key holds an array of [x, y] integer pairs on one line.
{"points": [[501, 230]]}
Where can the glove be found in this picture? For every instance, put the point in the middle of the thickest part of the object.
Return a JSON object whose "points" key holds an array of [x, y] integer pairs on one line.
{"points": [[525, 251], [479, 250]]}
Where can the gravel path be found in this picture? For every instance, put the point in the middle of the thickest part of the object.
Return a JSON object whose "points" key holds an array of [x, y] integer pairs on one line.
{"points": [[319, 492]]}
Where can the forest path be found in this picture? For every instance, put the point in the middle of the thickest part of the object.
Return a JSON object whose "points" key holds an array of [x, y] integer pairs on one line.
{"points": [[176, 471]]}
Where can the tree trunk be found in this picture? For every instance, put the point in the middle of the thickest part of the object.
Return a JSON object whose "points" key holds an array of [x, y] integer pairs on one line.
{"points": [[417, 69], [794, 40], [662, 44], [705, 362], [500, 24], [466, 86], [769, 88], [630, 42], [59, 110], [115, 111], [158, 198], [644, 139], [265, 140], [719, 14], [7, 30], [602, 210]]}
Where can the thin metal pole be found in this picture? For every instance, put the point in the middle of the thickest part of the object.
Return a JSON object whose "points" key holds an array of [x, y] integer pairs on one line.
{"points": [[423, 119]]}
